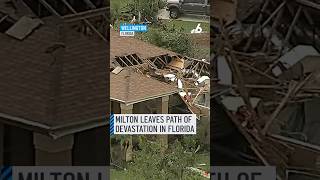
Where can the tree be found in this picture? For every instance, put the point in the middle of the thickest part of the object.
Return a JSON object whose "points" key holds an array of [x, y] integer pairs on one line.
{"points": [[147, 8]]}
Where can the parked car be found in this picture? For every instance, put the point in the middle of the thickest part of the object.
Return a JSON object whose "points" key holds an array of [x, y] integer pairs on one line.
{"points": [[178, 7]]}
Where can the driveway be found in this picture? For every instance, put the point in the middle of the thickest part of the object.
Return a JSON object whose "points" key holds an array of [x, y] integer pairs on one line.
{"points": [[164, 14]]}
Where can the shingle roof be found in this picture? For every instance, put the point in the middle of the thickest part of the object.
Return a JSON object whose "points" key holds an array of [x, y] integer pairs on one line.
{"points": [[130, 87], [55, 77], [121, 46]]}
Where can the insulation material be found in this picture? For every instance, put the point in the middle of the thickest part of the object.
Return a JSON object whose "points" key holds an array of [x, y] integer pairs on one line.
{"points": [[202, 79], [171, 77], [180, 85]]}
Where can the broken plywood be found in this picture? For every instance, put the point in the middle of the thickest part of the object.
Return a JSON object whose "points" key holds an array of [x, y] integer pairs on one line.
{"points": [[298, 53], [232, 103], [117, 70], [177, 63]]}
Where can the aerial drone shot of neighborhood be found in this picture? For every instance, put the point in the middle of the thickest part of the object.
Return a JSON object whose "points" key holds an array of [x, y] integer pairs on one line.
{"points": [[159, 64]]}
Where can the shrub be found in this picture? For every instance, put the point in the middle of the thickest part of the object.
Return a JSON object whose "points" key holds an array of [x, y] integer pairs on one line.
{"points": [[147, 8], [170, 38], [150, 163], [115, 12]]}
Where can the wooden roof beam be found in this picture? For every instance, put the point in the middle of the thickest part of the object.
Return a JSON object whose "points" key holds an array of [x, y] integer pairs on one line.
{"points": [[309, 4], [123, 61], [85, 15], [49, 8], [85, 20]]}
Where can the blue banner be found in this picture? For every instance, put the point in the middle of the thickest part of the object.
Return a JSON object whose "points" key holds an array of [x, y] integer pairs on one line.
{"points": [[6, 173], [133, 27], [111, 124]]}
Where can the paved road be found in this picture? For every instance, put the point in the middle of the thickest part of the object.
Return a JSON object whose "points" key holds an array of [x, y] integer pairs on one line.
{"points": [[164, 14]]}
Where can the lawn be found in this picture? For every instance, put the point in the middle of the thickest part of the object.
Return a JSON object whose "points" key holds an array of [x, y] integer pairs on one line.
{"points": [[187, 25], [199, 52], [120, 3], [122, 175], [118, 175]]}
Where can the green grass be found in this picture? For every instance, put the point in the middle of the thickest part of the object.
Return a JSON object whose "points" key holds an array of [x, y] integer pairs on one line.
{"points": [[123, 175], [121, 3], [197, 52], [200, 52], [126, 175], [187, 25], [118, 175]]}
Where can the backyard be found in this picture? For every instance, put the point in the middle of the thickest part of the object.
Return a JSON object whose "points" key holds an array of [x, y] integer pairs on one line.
{"points": [[165, 30]]}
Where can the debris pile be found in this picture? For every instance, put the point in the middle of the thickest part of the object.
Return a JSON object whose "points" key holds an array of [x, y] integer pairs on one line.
{"points": [[145, 79], [189, 75], [269, 56]]}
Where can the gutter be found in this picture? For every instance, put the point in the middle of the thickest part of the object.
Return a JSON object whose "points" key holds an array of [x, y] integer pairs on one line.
{"points": [[24, 121], [55, 134], [55, 131], [145, 99], [68, 128]]}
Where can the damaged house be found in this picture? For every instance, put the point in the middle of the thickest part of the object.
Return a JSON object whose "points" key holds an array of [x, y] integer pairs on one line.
{"points": [[146, 79], [53, 83], [266, 69]]}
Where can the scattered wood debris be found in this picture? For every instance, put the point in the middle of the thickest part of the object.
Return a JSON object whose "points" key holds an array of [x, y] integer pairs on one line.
{"points": [[272, 53]]}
